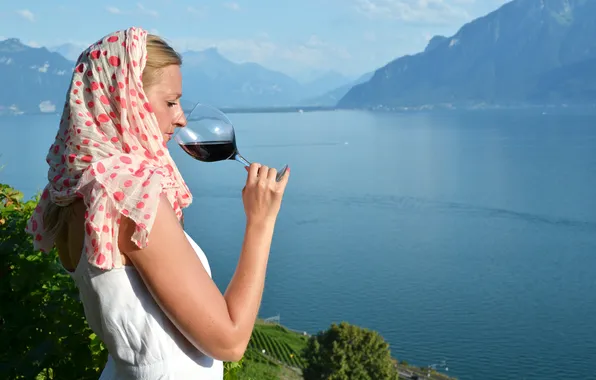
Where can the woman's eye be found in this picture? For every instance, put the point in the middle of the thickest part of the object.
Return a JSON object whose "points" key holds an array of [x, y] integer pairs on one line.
{"points": [[172, 104]]}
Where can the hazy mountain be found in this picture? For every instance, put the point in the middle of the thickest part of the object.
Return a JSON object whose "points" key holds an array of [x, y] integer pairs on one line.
{"points": [[512, 55], [318, 82], [38, 79], [211, 78], [33, 79], [330, 98]]}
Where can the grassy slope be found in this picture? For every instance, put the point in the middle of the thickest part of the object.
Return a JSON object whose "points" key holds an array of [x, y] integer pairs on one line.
{"points": [[282, 358]]}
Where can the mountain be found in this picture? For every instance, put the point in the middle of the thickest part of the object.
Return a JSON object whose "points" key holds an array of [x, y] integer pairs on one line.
{"points": [[34, 79], [213, 79], [434, 42], [317, 82], [512, 55], [331, 98], [38, 79]]}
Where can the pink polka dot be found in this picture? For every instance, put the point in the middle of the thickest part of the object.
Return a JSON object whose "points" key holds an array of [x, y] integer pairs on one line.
{"points": [[128, 183], [100, 168], [147, 216], [114, 61], [100, 259], [140, 205], [118, 196], [125, 160]]}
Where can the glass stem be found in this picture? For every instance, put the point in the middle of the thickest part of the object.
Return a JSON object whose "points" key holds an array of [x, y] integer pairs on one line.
{"points": [[238, 157]]}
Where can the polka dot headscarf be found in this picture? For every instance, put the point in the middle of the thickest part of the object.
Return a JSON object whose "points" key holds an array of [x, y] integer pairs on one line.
{"points": [[109, 151]]}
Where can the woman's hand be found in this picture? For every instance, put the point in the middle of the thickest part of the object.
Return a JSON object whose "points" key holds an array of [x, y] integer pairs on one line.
{"points": [[262, 194]]}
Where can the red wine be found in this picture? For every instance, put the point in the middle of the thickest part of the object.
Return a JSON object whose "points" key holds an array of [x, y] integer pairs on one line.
{"points": [[211, 151]]}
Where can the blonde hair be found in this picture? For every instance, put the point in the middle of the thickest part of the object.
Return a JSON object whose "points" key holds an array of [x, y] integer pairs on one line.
{"points": [[159, 55]]}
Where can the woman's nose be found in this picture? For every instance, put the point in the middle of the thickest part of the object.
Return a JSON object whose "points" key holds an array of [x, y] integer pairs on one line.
{"points": [[181, 120]]}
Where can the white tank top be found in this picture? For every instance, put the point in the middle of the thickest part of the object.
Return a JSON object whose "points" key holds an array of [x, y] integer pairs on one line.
{"points": [[142, 342]]}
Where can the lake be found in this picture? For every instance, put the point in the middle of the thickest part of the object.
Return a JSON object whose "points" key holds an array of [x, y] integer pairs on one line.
{"points": [[464, 238]]}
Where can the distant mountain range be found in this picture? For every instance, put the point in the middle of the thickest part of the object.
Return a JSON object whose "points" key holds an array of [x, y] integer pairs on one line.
{"points": [[210, 77], [38, 79], [33, 79], [527, 51]]}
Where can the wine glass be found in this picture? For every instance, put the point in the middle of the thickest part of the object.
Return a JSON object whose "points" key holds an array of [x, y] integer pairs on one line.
{"points": [[209, 137]]}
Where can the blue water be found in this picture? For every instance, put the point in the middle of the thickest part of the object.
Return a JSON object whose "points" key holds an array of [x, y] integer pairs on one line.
{"points": [[464, 237]]}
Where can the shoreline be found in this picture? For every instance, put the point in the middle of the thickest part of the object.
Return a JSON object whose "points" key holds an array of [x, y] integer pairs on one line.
{"points": [[374, 109]]}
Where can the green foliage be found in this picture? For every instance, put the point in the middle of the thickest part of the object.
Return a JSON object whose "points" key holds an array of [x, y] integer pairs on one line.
{"points": [[43, 329], [231, 369], [41, 320], [348, 352]]}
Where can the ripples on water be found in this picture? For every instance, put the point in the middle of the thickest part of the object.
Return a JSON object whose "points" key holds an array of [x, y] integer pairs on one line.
{"points": [[470, 240]]}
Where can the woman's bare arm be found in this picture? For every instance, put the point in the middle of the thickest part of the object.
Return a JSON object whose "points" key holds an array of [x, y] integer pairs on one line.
{"points": [[219, 325]]}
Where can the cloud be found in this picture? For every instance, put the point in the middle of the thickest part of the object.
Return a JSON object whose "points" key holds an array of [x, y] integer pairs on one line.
{"points": [[140, 8], [150, 12], [114, 10], [26, 14], [415, 11], [232, 6]]}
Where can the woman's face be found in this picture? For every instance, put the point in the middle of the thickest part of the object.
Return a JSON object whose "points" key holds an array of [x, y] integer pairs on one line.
{"points": [[164, 97]]}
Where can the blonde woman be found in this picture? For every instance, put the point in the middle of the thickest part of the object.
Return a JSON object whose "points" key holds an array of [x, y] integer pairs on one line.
{"points": [[113, 208]]}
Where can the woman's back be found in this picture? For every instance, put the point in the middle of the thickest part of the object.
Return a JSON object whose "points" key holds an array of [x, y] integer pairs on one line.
{"points": [[142, 341]]}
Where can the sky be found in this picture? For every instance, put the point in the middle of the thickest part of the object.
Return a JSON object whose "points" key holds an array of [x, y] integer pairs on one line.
{"points": [[297, 37]]}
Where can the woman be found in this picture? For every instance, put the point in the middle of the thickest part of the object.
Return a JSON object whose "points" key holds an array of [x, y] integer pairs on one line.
{"points": [[113, 207]]}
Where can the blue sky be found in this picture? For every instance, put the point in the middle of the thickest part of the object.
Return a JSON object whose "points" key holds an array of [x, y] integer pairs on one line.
{"points": [[293, 36]]}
